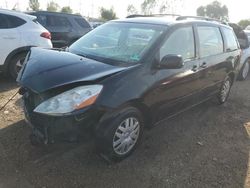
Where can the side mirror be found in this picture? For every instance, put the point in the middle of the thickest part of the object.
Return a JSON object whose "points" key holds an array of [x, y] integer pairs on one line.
{"points": [[171, 62]]}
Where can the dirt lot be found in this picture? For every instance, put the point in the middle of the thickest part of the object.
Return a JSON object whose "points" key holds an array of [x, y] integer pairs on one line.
{"points": [[207, 146]]}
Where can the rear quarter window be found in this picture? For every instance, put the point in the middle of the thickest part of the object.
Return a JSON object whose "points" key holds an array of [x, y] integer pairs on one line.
{"points": [[9, 21], [230, 39], [15, 21]]}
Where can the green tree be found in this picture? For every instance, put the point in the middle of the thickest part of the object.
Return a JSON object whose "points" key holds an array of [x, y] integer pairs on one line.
{"points": [[52, 6], [148, 6], [107, 14], [214, 10], [34, 5], [170, 6], [201, 11], [244, 23], [131, 10], [67, 9]]}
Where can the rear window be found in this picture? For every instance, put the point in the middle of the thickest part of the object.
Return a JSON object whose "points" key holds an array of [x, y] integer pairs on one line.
{"points": [[231, 40], [210, 41], [82, 23], [9, 22]]}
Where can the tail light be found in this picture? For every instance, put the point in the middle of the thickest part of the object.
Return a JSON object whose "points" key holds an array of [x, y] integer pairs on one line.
{"points": [[46, 35]]}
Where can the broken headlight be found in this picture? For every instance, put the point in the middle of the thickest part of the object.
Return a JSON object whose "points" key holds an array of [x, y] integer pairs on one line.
{"points": [[69, 101]]}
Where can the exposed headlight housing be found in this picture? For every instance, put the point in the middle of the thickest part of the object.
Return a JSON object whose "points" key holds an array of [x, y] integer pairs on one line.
{"points": [[69, 101]]}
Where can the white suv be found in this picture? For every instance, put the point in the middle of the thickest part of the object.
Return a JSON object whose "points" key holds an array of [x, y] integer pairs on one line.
{"points": [[18, 33]]}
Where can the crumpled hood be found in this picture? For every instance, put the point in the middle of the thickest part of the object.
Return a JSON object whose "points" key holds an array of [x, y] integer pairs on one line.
{"points": [[47, 69]]}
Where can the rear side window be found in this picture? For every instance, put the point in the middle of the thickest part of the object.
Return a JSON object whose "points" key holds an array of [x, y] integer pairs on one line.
{"points": [[3, 22], [210, 41], [230, 38], [9, 22], [58, 21], [180, 42], [82, 23], [42, 19], [53, 21]]}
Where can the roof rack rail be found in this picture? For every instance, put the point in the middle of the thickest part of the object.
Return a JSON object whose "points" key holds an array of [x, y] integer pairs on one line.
{"points": [[201, 18], [152, 15]]}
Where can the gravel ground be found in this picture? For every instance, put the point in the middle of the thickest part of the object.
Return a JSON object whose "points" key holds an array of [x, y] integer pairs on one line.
{"points": [[207, 146]]}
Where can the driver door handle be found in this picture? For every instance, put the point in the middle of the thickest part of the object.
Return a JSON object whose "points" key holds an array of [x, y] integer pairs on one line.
{"points": [[195, 68], [203, 65]]}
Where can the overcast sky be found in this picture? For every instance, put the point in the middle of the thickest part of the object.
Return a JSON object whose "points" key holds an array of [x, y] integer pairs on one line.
{"points": [[238, 9]]}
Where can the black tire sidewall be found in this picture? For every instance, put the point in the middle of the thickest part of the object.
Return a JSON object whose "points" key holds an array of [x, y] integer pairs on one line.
{"points": [[106, 131], [219, 96], [241, 77], [12, 64]]}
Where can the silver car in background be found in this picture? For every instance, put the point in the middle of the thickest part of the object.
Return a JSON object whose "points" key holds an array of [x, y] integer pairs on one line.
{"points": [[243, 38]]}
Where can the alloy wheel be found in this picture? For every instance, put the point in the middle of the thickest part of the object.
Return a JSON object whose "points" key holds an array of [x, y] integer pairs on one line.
{"points": [[126, 136]]}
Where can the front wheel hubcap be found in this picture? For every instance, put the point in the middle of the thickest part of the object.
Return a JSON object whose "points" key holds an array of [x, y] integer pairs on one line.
{"points": [[126, 136]]}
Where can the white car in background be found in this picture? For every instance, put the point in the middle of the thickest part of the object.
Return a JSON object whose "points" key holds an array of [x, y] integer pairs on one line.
{"points": [[18, 33]]}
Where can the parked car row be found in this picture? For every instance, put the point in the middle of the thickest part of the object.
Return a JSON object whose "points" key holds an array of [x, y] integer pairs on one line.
{"points": [[126, 75], [19, 32]]}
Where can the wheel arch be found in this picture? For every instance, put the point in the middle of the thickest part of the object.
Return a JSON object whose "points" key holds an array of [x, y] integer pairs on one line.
{"points": [[144, 109], [136, 103], [13, 54]]}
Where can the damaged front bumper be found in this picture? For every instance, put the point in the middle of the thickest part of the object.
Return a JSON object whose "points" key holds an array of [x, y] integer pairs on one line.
{"points": [[50, 129]]}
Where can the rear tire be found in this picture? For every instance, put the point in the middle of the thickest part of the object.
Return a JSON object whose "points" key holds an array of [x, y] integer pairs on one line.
{"points": [[244, 71], [15, 64], [225, 90], [118, 137]]}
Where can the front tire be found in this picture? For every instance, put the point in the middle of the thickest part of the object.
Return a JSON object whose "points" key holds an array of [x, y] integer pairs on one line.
{"points": [[119, 136], [225, 90]]}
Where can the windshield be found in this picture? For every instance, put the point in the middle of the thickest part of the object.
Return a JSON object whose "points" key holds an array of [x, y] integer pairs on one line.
{"points": [[118, 42]]}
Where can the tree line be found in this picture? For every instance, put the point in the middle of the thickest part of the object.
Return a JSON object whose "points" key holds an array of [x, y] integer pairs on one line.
{"points": [[51, 6], [34, 5], [213, 10]]}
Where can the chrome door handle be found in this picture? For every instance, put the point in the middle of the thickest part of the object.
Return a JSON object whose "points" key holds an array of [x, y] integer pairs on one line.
{"points": [[203, 65], [195, 68]]}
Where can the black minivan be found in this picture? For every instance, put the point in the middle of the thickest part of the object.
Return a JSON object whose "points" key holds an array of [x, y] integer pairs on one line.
{"points": [[124, 76]]}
